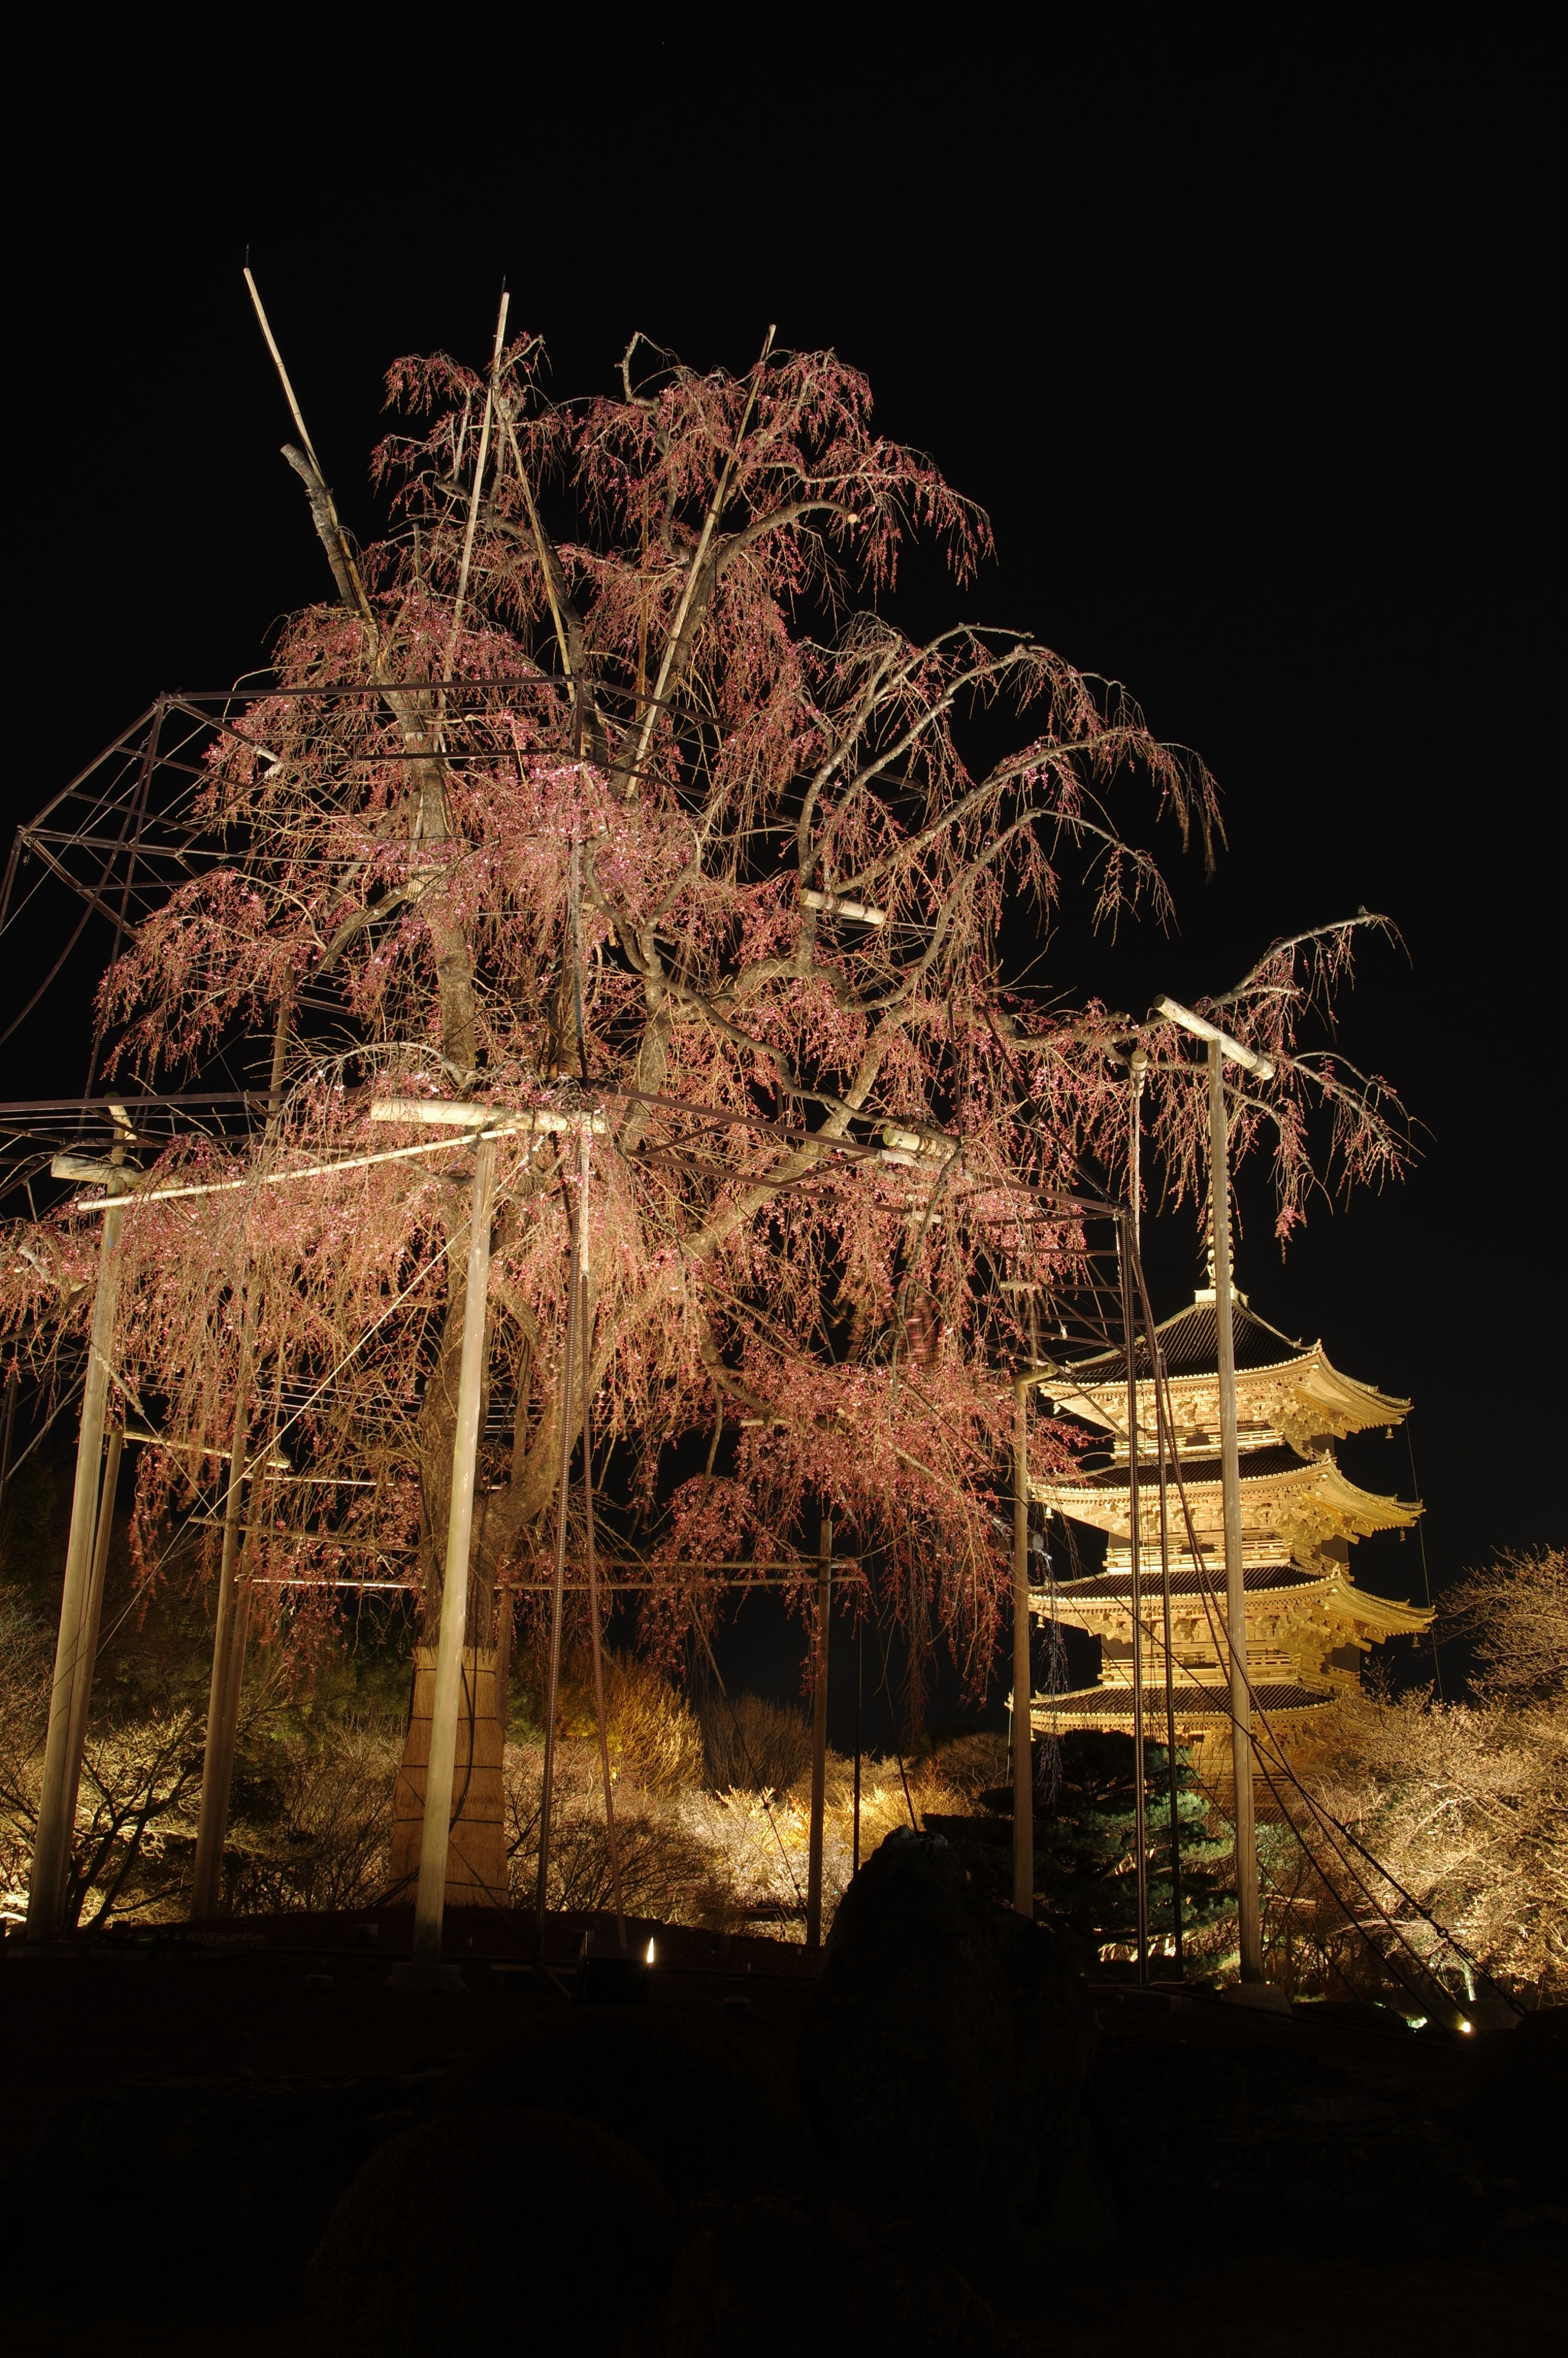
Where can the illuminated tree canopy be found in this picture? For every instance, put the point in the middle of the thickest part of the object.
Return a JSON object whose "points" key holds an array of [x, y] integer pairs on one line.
{"points": [[606, 781]]}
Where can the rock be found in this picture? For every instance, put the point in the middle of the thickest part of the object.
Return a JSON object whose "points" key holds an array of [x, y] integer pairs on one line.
{"points": [[942, 2059], [852, 2292], [1520, 2102], [234, 2159], [706, 2114], [1283, 2145], [511, 2230]]}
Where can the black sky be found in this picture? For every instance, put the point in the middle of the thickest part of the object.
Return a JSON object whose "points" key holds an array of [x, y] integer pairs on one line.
{"points": [[1248, 353]]}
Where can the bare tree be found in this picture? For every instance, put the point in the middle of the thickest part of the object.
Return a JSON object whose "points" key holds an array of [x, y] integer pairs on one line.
{"points": [[1463, 1805]]}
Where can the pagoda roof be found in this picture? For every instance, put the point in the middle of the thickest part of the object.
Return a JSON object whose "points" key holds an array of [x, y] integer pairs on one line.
{"points": [[1380, 1613], [1190, 1341], [1111, 1593], [1085, 1706], [1280, 1492], [1297, 1381], [1200, 1469], [1115, 1588]]}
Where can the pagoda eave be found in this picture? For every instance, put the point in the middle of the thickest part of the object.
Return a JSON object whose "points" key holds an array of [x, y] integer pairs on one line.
{"points": [[1111, 1707], [1310, 1492]]}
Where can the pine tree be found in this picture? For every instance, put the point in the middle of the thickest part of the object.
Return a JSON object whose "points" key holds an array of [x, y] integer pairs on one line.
{"points": [[1084, 1858]]}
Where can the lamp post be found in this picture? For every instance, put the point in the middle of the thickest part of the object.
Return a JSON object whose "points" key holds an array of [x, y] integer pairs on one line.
{"points": [[1221, 1046]]}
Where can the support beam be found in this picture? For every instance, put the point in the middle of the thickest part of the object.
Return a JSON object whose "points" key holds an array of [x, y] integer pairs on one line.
{"points": [[13, 1385], [1140, 1829], [425, 1968], [1023, 1678], [82, 1693], [593, 1562], [217, 1761], [819, 1736], [1139, 1066], [557, 1598], [1230, 1485], [1158, 1357], [239, 1631], [855, 1854], [47, 1882]]}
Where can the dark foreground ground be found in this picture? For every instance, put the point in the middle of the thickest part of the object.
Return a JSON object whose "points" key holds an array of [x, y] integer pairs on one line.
{"points": [[182, 2114]]}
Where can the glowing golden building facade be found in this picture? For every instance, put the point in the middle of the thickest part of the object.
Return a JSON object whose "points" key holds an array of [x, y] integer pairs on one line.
{"points": [[1308, 1624]]}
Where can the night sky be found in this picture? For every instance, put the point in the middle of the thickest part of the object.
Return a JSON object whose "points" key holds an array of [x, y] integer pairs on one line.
{"points": [[1246, 354]]}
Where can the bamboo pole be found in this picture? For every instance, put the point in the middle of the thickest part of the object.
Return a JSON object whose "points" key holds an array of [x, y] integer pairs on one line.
{"points": [[81, 1687], [819, 1736], [1235, 1582], [425, 1968], [207, 1877], [1023, 1677], [54, 1829]]}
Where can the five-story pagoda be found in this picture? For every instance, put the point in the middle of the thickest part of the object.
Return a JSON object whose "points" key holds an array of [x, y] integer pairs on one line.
{"points": [[1308, 1624]]}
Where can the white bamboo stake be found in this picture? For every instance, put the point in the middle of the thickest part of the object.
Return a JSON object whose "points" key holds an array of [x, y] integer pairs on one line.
{"points": [[426, 1970], [47, 1882]]}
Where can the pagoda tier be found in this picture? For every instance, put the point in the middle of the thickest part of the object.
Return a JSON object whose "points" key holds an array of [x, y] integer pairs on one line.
{"points": [[1304, 1628], [1285, 1392], [1288, 1502], [1308, 1625]]}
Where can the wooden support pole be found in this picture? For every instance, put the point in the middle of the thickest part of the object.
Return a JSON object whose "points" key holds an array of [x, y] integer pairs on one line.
{"points": [[1140, 1829], [1022, 1676], [1165, 1447], [1235, 1581], [13, 1385], [47, 1882], [819, 1736], [855, 1855], [239, 1628], [592, 1558], [81, 1692], [206, 1882], [430, 1901], [1139, 1065], [1158, 1357], [557, 1599]]}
